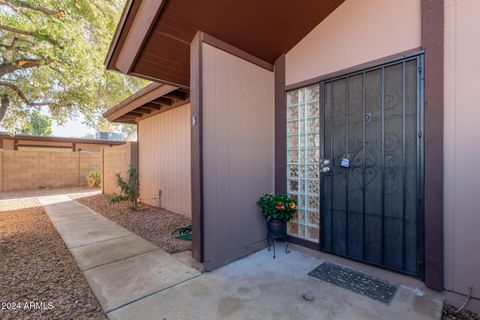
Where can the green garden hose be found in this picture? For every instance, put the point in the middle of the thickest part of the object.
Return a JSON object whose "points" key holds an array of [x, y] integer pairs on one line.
{"points": [[183, 233]]}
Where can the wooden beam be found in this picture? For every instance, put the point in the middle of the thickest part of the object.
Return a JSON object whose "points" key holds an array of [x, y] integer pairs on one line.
{"points": [[181, 95], [126, 120], [134, 114], [152, 106], [162, 100], [144, 110]]}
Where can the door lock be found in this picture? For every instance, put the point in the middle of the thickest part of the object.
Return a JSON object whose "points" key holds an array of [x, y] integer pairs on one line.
{"points": [[325, 165]]}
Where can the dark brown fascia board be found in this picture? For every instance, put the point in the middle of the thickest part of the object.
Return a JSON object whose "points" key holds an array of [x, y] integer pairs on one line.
{"points": [[129, 41], [138, 99], [142, 25], [118, 32], [23, 137], [224, 46]]}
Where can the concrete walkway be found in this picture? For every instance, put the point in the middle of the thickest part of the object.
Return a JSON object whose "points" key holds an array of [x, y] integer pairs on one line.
{"points": [[120, 266], [133, 279]]}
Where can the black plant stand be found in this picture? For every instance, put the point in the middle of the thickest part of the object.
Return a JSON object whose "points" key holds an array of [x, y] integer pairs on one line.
{"points": [[271, 242]]}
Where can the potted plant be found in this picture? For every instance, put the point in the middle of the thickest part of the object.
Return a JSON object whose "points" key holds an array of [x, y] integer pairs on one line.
{"points": [[277, 210]]}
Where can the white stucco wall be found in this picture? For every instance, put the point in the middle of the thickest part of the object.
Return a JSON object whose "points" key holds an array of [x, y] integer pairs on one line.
{"points": [[462, 149], [358, 31]]}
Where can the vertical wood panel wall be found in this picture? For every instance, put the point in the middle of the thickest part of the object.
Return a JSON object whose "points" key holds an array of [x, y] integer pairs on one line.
{"points": [[164, 160], [238, 153]]}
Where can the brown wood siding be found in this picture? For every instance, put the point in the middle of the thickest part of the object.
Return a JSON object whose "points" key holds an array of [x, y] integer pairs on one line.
{"points": [[238, 154], [164, 160]]}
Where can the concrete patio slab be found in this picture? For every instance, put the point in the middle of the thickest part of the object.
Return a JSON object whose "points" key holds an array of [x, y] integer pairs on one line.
{"points": [[118, 283], [260, 287], [108, 251]]}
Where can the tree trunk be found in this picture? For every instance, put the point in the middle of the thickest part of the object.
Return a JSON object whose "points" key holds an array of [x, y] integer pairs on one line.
{"points": [[5, 103]]}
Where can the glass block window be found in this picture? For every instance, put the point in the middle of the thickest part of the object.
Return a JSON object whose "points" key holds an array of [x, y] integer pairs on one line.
{"points": [[303, 159]]}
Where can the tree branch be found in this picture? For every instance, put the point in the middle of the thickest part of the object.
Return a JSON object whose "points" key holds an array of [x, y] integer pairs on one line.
{"points": [[23, 4], [6, 68], [18, 31], [37, 35], [22, 95], [5, 103]]}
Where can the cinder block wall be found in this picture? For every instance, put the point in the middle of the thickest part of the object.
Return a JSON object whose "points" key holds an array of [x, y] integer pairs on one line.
{"points": [[24, 170], [117, 159]]}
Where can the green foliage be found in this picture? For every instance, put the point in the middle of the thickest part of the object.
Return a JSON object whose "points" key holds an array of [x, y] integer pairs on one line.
{"points": [[52, 54], [278, 207], [129, 189], [94, 178], [38, 125]]}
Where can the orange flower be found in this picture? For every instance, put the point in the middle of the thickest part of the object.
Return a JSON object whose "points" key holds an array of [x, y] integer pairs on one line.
{"points": [[292, 205]]}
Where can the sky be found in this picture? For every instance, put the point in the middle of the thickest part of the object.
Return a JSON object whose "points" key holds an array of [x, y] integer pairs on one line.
{"points": [[71, 129]]}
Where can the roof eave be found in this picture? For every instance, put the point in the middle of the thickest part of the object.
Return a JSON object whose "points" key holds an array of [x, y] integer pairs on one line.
{"points": [[141, 97], [117, 34]]}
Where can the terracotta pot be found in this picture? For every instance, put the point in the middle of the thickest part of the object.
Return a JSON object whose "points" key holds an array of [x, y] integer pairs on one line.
{"points": [[276, 228]]}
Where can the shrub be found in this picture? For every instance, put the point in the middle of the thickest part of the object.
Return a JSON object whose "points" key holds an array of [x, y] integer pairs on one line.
{"points": [[129, 189], [277, 207], [94, 178]]}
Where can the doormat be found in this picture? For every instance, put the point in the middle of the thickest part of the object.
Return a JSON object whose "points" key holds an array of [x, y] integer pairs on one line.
{"points": [[355, 281]]}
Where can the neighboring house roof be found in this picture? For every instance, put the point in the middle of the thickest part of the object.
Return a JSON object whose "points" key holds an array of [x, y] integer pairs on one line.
{"points": [[5, 135], [153, 37], [150, 100]]}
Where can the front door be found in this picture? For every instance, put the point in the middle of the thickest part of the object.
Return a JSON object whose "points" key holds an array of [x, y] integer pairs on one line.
{"points": [[371, 166]]}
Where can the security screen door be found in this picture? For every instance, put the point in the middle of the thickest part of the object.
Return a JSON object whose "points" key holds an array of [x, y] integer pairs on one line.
{"points": [[372, 166], [355, 165]]}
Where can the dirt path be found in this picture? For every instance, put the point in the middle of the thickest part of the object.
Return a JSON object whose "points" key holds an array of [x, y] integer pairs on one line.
{"points": [[37, 269]]}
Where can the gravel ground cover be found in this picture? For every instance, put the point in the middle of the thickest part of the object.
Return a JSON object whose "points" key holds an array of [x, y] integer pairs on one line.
{"points": [[148, 222], [449, 313], [39, 279]]}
